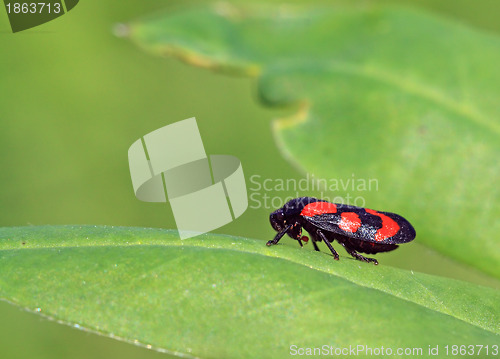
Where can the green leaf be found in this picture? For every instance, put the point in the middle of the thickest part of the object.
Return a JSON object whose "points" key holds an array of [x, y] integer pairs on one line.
{"points": [[226, 297], [399, 97]]}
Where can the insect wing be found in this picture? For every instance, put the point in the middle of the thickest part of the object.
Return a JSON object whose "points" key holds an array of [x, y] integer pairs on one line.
{"points": [[365, 225]]}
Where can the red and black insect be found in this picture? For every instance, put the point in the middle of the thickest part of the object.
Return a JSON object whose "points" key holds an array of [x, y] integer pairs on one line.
{"points": [[357, 229]]}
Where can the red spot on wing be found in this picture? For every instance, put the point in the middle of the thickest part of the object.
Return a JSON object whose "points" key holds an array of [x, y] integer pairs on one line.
{"points": [[304, 238], [389, 226], [313, 209], [349, 222]]}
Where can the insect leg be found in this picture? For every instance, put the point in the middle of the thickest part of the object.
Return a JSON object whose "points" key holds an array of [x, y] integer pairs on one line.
{"points": [[278, 236], [358, 256], [328, 244], [314, 244]]}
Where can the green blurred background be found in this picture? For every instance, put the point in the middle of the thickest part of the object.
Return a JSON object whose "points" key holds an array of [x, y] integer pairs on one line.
{"points": [[73, 97]]}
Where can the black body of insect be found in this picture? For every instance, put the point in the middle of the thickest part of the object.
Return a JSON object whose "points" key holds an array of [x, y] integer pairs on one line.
{"points": [[357, 229]]}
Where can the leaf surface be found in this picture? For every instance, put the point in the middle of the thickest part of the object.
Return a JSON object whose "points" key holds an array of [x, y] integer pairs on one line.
{"points": [[397, 110], [227, 297]]}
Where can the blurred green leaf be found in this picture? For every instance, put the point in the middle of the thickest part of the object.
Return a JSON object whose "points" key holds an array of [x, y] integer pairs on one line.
{"points": [[226, 297], [399, 97]]}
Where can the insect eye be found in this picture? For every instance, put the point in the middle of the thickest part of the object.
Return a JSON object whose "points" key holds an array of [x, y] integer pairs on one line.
{"points": [[277, 220]]}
